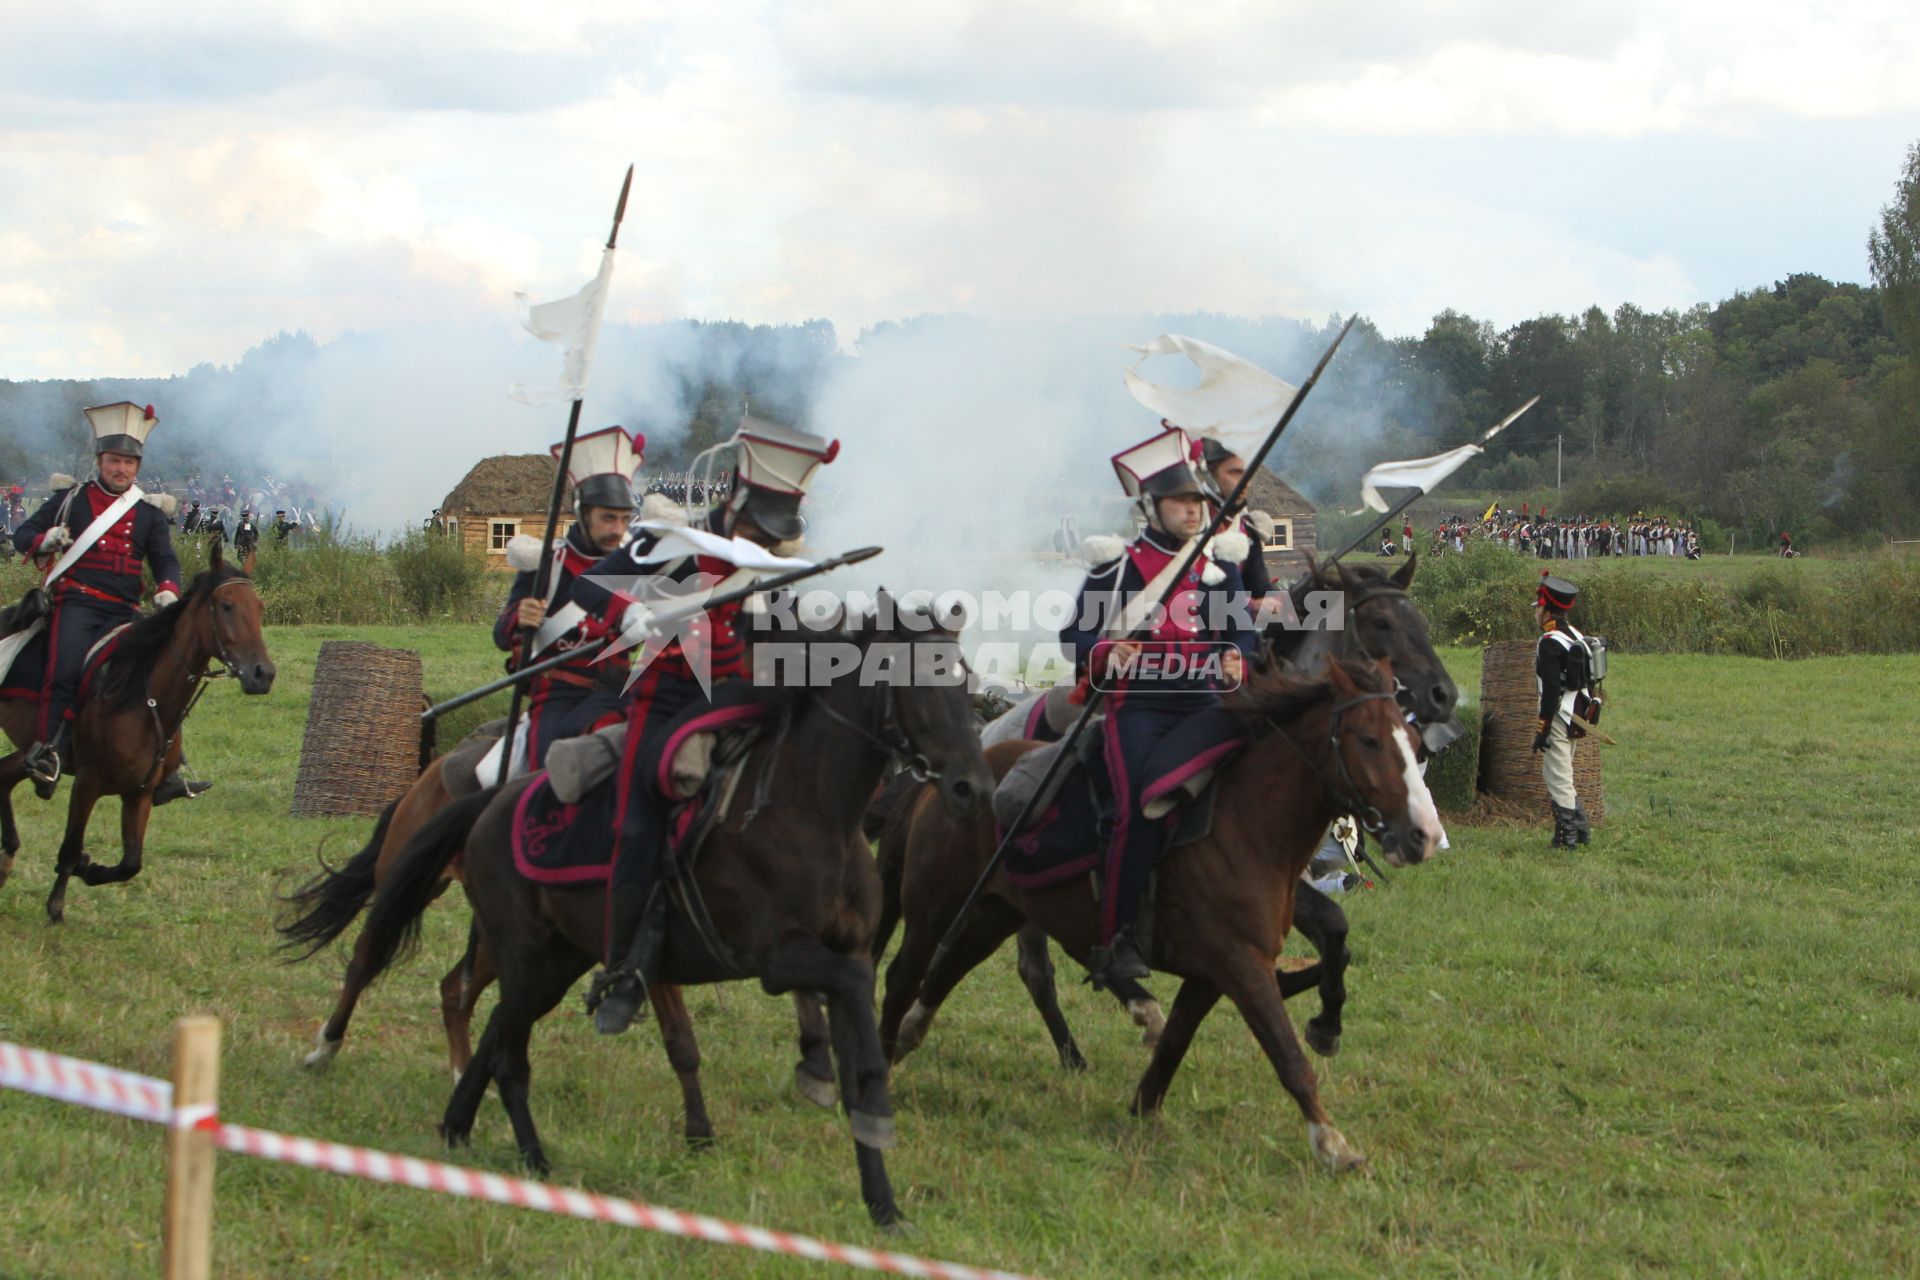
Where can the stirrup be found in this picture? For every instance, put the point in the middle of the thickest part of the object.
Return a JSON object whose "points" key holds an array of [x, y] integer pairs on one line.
{"points": [[43, 764], [616, 998]]}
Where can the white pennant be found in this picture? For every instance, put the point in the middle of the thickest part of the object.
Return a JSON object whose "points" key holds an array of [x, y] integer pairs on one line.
{"points": [[1237, 402], [573, 322]]}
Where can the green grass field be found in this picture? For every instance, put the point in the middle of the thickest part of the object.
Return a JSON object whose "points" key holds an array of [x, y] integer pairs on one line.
{"points": [[1692, 1048]]}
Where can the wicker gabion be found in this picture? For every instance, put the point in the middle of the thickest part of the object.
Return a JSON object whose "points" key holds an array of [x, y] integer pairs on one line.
{"points": [[362, 744], [1509, 769]]}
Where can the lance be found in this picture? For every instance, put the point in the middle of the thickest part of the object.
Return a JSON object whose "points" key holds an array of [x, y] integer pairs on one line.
{"points": [[594, 647], [1415, 494], [543, 575], [1095, 693]]}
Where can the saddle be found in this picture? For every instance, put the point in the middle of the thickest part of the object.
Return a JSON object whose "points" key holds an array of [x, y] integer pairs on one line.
{"points": [[1071, 821]]}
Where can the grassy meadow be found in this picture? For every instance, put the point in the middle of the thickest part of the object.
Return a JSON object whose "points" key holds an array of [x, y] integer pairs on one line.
{"points": [[1691, 1048]]}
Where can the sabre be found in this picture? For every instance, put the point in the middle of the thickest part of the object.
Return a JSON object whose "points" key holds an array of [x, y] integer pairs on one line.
{"points": [[592, 648], [1095, 694], [543, 576], [1581, 722]]}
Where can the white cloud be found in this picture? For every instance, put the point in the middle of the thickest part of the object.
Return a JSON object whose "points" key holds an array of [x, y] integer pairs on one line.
{"points": [[244, 169]]}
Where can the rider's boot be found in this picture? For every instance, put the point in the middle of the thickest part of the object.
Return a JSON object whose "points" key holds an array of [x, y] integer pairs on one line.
{"points": [[618, 993], [1582, 825], [46, 761], [175, 786]]}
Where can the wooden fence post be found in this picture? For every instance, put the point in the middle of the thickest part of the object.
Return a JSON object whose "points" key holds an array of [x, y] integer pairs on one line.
{"points": [[190, 1151]]}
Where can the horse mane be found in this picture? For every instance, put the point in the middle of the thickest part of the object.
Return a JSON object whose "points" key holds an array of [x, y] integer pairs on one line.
{"points": [[1277, 697], [143, 642]]}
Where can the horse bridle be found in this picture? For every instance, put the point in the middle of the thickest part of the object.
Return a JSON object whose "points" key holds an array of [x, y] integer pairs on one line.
{"points": [[227, 669], [1344, 790], [892, 739]]}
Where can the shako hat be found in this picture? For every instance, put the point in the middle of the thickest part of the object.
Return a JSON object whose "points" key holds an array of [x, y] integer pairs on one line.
{"points": [[603, 465], [775, 466], [121, 428], [1556, 593], [1160, 467]]}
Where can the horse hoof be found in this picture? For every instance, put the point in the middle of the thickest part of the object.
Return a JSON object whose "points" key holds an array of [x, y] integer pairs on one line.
{"points": [[821, 1093], [536, 1162], [1321, 1043], [324, 1052], [1151, 1021], [1334, 1152], [6, 868], [701, 1142], [890, 1220], [1071, 1058], [455, 1136], [873, 1131]]}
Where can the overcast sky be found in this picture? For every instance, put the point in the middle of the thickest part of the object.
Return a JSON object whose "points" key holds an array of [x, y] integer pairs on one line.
{"points": [[179, 180]]}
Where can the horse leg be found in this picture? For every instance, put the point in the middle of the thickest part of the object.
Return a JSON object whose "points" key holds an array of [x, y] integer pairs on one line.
{"points": [[134, 812], [813, 1076], [11, 772], [333, 1032], [913, 979], [72, 857], [1191, 1004], [459, 993], [806, 964], [532, 997], [1325, 924], [1035, 960], [1258, 997], [683, 1052], [1143, 1009]]}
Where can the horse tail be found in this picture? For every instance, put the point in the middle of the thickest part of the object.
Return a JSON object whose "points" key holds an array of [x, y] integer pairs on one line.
{"points": [[887, 820], [393, 925], [329, 902]]}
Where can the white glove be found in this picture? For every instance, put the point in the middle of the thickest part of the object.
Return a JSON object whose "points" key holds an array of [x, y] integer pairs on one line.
{"points": [[165, 598], [636, 622], [57, 539]]}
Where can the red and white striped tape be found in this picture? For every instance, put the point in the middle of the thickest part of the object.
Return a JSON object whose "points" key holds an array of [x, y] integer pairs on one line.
{"points": [[88, 1084]]}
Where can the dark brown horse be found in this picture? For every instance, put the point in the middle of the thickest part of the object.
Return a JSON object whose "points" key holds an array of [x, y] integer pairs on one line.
{"points": [[791, 890], [1223, 905], [1377, 620], [328, 903], [126, 735]]}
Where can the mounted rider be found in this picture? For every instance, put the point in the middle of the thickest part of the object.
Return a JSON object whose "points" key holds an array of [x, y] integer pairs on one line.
{"points": [[774, 467], [1225, 469], [91, 539], [568, 699], [1201, 642], [1567, 667]]}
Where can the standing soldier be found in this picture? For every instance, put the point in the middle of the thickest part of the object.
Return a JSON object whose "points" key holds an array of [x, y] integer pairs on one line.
{"points": [[192, 523], [246, 536], [568, 699], [91, 539], [282, 526], [1563, 669], [1116, 600]]}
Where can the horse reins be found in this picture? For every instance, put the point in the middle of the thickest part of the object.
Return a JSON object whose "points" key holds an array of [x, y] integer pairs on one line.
{"points": [[199, 681], [1346, 792]]}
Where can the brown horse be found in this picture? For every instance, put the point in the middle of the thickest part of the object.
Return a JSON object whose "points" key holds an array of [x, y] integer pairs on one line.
{"points": [[788, 884], [333, 899], [126, 734], [1379, 621], [1320, 748]]}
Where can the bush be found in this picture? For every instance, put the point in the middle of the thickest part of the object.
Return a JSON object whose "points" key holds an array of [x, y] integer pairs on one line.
{"points": [[438, 577]]}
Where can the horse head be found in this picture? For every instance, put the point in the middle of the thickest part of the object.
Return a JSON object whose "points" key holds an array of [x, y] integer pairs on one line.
{"points": [[225, 613], [1379, 621], [911, 650], [1375, 759]]}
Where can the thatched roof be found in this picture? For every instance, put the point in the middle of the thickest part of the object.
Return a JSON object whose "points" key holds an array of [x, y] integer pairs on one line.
{"points": [[1268, 492], [509, 484]]}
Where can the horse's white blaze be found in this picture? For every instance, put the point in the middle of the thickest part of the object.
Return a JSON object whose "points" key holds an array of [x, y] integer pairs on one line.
{"points": [[1420, 806]]}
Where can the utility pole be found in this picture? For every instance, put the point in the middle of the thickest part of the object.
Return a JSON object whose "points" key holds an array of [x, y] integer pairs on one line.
{"points": [[1558, 455]]}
